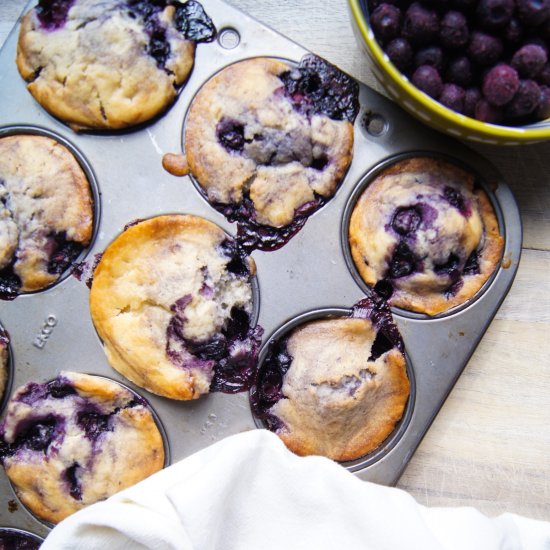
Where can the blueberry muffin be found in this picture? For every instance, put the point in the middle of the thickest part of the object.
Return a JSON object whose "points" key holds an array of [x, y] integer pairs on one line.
{"points": [[109, 64], [15, 539], [335, 387], [270, 142], [76, 440], [171, 299], [46, 212], [4, 362], [424, 235]]}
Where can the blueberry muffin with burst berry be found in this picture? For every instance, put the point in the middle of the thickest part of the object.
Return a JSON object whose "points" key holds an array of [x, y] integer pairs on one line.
{"points": [[335, 387], [172, 301], [424, 235], [46, 212], [109, 64], [269, 143], [76, 440]]}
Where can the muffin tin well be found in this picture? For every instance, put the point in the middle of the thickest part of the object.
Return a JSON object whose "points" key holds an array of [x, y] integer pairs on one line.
{"points": [[30, 130], [309, 273], [391, 440]]}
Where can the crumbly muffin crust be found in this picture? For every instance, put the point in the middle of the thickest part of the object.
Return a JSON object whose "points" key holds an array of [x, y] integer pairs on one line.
{"points": [[424, 235], [250, 136], [107, 64], [171, 299], [336, 387], [46, 212], [76, 440]]}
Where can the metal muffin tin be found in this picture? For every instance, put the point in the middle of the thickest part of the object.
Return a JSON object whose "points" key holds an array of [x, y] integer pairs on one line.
{"points": [[311, 272]]}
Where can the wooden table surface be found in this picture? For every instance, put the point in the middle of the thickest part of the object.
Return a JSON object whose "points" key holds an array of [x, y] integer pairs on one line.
{"points": [[489, 446]]}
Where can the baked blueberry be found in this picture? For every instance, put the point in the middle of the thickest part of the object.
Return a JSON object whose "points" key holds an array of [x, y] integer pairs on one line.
{"points": [[336, 386], [46, 213], [269, 143], [171, 299], [418, 229], [62, 453]]}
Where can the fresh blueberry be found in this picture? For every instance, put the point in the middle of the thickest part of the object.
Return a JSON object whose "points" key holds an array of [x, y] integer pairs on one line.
{"points": [[543, 110], [486, 112], [386, 22], [430, 55], [484, 49], [494, 14], [420, 25], [526, 100], [544, 76], [452, 96], [471, 97], [454, 32], [529, 60], [533, 12], [400, 53], [459, 72], [427, 79], [500, 85], [513, 32]]}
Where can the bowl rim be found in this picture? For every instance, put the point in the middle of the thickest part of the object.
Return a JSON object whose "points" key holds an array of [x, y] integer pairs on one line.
{"points": [[498, 132]]}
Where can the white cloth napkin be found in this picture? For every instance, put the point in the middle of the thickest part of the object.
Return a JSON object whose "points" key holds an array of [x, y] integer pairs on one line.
{"points": [[248, 492]]}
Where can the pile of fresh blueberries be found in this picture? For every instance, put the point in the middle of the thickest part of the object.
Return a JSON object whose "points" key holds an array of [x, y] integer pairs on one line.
{"points": [[486, 59]]}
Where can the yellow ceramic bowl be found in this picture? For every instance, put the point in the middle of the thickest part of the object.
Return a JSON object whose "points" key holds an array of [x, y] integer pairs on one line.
{"points": [[429, 110]]}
